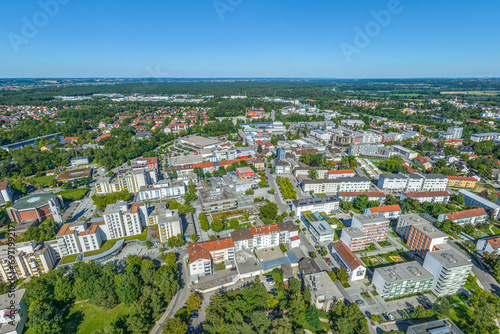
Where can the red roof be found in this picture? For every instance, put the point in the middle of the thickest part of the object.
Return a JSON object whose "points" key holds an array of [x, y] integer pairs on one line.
{"points": [[466, 214], [387, 208], [427, 194], [494, 242], [461, 178], [201, 250], [345, 253], [106, 135], [4, 184], [341, 171], [294, 238], [266, 229]]}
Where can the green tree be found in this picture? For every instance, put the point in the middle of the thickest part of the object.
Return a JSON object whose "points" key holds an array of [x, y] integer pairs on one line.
{"points": [[175, 326], [296, 310], [312, 173], [140, 319], [63, 290], [217, 225], [194, 301], [128, 288], [281, 325], [342, 275]]}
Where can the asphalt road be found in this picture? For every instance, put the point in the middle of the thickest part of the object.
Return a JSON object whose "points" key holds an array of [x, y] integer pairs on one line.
{"points": [[282, 206]]}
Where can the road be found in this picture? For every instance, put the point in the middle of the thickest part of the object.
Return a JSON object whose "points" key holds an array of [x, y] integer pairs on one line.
{"points": [[282, 206], [178, 301]]}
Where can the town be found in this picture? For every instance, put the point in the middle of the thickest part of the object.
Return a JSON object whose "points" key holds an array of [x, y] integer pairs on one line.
{"points": [[365, 216]]}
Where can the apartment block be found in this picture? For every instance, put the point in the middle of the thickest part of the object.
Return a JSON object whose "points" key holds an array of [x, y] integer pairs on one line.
{"points": [[472, 199], [122, 219], [327, 204], [405, 222], [354, 238], [354, 183], [349, 196], [462, 182], [402, 279], [161, 191], [132, 181], [204, 255], [28, 259], [389, 211], [472, 216], [335, 174], [322, 172], [168, 221], [217, 198], [489, 244], [413, 182], [442, 197], [424, 237], [374, 225], [450, 271], [6, 192], [320, 186]]}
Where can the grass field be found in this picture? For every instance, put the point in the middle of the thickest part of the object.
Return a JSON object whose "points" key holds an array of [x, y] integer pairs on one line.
{"points": [[472, 92], [108, 244], [44, 179], [495, 230], [73, 194], [384, 243], [68, 259], [85, 318]]}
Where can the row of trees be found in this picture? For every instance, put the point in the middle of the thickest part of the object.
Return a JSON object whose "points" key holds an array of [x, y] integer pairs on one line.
{"points": [[286, 188]]}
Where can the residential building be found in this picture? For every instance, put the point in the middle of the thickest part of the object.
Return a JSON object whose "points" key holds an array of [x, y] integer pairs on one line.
{"points": [[462, 182], [259, 163], [349, 196], [335, 174], [38, 259], [472, 199], [455, 132], [281, 167], [217, 198], [289, 233], [424, 237], [405, 222], [428, 196], [406, 182], [6, 192], [488, 244], [450, 271], [257, 237], [402, 279], [162, 190], [309, 266], [321, 231], [131, 181], [67, 238], [472, 216], [37, 208], [327, 204], [123, 220], [31, 142], [361, 183], [354, 238], [322, 172], [321, 135], [434, 182], [90, 239], [26, 259], [324, 292], [406, 153], [204, 255], [348, 261], [374, 225], [13, 312], [441, 326], [479, 137], [168, 221], [79, 161], [245, 172], [365, 149], [320, 186], [389, 211]]}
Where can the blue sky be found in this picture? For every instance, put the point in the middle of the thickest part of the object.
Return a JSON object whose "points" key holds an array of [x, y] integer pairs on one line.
{"points": [[249, 38]]}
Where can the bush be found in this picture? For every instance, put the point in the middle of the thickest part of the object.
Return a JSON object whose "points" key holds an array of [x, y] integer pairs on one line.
{"points": [[249, 192], [313, 255]]}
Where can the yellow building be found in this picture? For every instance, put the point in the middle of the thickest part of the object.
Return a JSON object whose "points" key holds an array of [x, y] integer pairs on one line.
{"points": [[461, 182]]}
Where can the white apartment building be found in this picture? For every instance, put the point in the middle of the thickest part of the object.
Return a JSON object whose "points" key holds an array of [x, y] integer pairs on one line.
{"points": [[389, 211], [29, 259], [322, 171], [404, 152], [327, 204], [413, 182], [321, 135], [434, 182], [321, 186], [354, 184], [374, 225], [123, 220], [131, 181], [90, 239], [354, 238], [348, 261], [204, 255], [455, 132], [471, 199], [489, 244], [428, 196], [168, 221], [450, 271], [67, 239], [472, 216], [335, 174], [161, 191], [6, 192]]}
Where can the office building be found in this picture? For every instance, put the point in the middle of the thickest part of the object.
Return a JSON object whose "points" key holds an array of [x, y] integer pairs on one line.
{"points": [[168, 221], [402, 279], [450, 271], [217, 198], [321, 232]]}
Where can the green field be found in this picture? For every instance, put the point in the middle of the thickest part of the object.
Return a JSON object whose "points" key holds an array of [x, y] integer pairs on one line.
{"points": [[73, 194], [108, 244], [495, 230], [68, 259], [44, 179], [85, 318]]}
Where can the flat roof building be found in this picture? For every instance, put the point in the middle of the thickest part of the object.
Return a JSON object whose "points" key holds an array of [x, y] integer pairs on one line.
{"points": [[217, 198], [324, 293]]}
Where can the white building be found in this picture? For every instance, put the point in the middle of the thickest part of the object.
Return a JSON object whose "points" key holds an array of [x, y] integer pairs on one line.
{"points": [[335, 174], [450, 271], [320, 186], [132, 182], [404, 152], [489, 244], [324, 292], [204, 255], [123, 220], [6, 192], [327, 204], [161, 191], [455, 132], [389, 211], [90, 239], [354, 183], [413, 182], [348, 261], [28, 259], [281, 167], [472, 199], [321, 135], [428, 196], [472, 216], [479, 137], [374, 225], [321, 231], [354, 238]]}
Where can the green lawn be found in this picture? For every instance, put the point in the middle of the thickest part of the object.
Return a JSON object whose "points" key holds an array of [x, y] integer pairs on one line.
{"points": [[384, 243], [495, 230], [68, 259], [73, 194], [370, 247], [108, 244], [44, 179], [85, 318]]}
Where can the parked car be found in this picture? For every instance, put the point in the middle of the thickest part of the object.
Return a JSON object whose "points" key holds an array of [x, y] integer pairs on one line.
{"points": [[389, 316], [360, 302], [271, 283], [402, 314]]}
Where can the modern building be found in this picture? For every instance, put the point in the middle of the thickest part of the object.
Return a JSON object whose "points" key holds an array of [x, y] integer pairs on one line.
{"points": [[424, 237], [441, 326], [168, 221], [413, 182], [374, 225], [450, 271], [320, 186], [322, 172], [13, 312], [402, 279], [479, 137], [131, 181], [204, 255], [389, 211], [31, 142], [489, 244], [327, 204], [123, 220], [442, 197], [324, 293], [455, 132], [406, 153], [79, 161], [28, 259], [365, 149], [37, 208], [6, 192], [335, 174], [472, 199], [472, 216], [245, 172], [321, 232], [162, 190], [405, 222], [217, 198], [348, 261], [361, 183], [462, 182], [354, 238], [281, 167]]}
